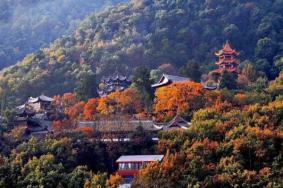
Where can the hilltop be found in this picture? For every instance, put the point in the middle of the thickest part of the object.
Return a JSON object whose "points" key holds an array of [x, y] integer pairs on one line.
{"points": [[26, 26]]}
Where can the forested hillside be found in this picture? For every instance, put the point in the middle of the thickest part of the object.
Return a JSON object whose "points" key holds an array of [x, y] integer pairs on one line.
{"points": [[27, 25], [151, 33]]}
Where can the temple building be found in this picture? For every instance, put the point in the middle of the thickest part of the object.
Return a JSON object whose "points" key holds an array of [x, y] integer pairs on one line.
{"points": [[226, 60], [113, 83], [176, 123], [38, 126], [130, 165], [23, 112], [167, 79], [33, 115], [40, 103]]}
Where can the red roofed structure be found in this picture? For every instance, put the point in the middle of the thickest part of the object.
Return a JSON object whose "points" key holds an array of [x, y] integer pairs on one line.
{"points": [[227, 59], [130, 165]]}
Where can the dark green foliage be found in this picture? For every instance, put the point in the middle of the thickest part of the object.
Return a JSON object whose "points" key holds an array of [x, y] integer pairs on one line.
{"points": [[9, 118], [68, 159], [29, 25], [141, 80], [141, 138], [264, 66], [266, 48], [86, 87], [228, 80], [191, 70]]}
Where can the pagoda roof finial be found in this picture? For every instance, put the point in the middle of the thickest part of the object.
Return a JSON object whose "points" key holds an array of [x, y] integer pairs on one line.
{"points": [[227, 49]]}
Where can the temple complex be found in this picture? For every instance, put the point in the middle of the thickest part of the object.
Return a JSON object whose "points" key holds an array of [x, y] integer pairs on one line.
{"points": [[226, 60], [113, 83]]}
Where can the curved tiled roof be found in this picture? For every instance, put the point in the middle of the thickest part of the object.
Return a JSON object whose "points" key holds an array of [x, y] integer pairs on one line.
{"points": [[166, 79], [40, 98], [227, 49]]}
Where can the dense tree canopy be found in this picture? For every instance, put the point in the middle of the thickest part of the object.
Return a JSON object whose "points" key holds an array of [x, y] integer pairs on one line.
{"points": [[235, 134], [152, 33], [26, 26], [180, 98]]}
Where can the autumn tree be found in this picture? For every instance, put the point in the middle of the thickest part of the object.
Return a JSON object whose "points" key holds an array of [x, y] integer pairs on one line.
{"points": [[75, 112], [96, 181], [250, 72], [65, 101], [78, 176], [178, 98], [276, 86], [90, 109], [37, 172], [114, 181], [166, 174], [128, 101]]}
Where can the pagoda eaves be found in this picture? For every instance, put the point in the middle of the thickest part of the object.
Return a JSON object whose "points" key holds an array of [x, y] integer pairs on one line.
{"points": [[226, 59], [227, 50]]}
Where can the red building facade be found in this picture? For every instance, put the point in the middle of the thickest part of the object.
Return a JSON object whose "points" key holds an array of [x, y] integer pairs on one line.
{"points": [[130, 165]]}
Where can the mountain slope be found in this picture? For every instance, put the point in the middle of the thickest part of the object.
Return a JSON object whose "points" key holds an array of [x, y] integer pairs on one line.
{"points": [[152, 32], [25, 26]]}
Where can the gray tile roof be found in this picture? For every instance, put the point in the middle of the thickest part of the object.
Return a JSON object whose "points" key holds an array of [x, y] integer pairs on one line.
{"points": [[139, 158], [40, 98]]}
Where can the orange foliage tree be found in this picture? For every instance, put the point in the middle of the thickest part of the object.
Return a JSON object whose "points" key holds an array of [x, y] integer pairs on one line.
{"points": [[114, 181], [127, 101], [106, 105], [90, 109], [178, 98], [88, 131], [67, 100], [75, 112], [62, 124], [220, 100]]}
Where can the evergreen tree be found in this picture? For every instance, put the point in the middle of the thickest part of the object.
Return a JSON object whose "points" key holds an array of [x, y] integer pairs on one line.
{"points": [[141, 80], [86, 87], [228, 80], [191, 70]]}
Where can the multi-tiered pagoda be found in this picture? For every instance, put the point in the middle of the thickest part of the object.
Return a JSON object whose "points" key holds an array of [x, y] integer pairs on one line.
{"points": [[116, 82], [227, 60]]}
